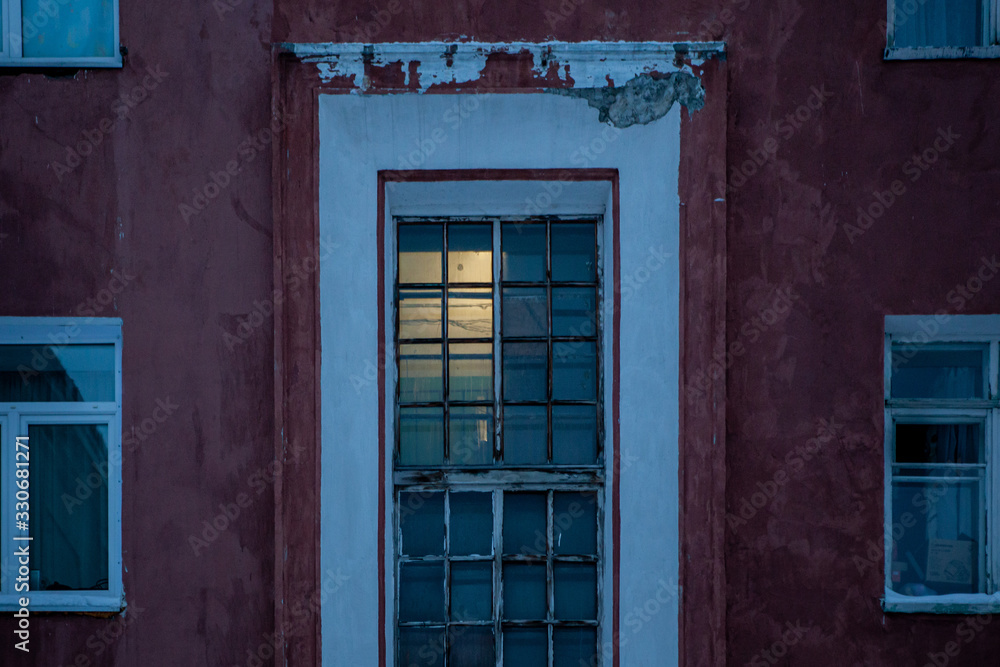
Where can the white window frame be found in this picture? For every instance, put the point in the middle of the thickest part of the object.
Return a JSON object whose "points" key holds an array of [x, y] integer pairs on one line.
{"points": [[991, 38], [12, 43], [15, 418], [919, 331]]}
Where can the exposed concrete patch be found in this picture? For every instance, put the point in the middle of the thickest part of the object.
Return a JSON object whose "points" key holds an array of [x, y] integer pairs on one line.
{"points": [[642, 99]]}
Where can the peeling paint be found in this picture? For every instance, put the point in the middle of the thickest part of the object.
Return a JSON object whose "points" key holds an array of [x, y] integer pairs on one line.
{"points": [[642, 99]]}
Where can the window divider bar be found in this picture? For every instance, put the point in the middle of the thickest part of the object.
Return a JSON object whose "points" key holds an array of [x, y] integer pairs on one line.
{"points": [[13, 30], [497, 351]]}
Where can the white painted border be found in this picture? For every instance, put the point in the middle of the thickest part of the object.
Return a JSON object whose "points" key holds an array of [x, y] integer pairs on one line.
{"points": [[360, 135]]}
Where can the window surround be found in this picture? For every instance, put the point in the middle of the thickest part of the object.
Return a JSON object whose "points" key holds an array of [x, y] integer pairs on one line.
{"points": [[11, 40], [918, 331], [990, 50], [57, 332]]}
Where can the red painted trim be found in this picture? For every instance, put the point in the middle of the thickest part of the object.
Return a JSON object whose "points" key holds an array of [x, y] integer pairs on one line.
{"points": [[433, 175]]}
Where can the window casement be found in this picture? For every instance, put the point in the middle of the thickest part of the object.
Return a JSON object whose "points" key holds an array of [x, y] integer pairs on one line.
{"points": [[60, 457], [498, 474], [917, 29], [59, 33], [942, 426]]}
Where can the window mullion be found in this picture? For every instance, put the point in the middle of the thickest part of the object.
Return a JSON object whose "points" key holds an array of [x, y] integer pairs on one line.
{"points": [[992, 501], [13, 29], [497, 351]]}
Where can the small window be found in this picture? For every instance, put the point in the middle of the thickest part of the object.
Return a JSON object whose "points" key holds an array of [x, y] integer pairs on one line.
{"points": [[60, 458], [59, 33], [942, 29], [942, 446]]}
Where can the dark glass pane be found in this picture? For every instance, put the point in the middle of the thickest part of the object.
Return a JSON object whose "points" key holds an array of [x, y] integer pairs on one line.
{"points": [[470, 371], [84, 28], [574, 523], [421, 517], [421, 646], [471, 646], [573, 252], [421, 373], [525, 434], [419, 313], [421, 436], [470, 435], [420, 248], [939, 443], [525, 372], [523, 591], [69, 548], [470, 313], [938, 545], [471, 528], [574, 434], [931, 373], [575, 586], [471, 591], [525, 647], [523, 252], [574, 311], [470, 253], [574, 371], [938, 23], [573, 647], [421, 591], [57, 373], [524, 523], [525, 311]]}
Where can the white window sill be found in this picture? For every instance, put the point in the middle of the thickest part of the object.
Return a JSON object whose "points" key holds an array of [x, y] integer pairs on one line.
{"points": [[941, 604], [80, 601], [940, 52]]}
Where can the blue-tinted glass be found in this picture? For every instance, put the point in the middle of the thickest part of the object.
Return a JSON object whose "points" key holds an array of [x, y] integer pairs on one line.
{"points": [[471, 646], [525, 434], [30, 373], [524, 523], [525, 372], [471, 528], [471, 591], [937, 373], [574, 371], [421, 517], [421, 373], [525, 311], [421, 591], [523, 591], [421, 646], [470, 371], [525, 647], [572, 647], [69, 28], [938, 23], [523, 254], [574, 523], [574, 311], [574, 434], [470, 435], [939, 443], [573, 248], [420, 248], [421, 436], [470, 253], [575, 586]]}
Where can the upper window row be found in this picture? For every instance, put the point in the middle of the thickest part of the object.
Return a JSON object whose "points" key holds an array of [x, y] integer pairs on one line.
{"points": [[942, 29], [59, 33]]}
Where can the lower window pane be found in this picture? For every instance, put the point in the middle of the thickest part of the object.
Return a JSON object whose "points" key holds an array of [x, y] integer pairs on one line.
{"points": [[471, 646], [421, 436], [574, 434], [471, 591], [937, 539], [573, 647], [421, 591], [575, 591], [84, 28], [470, 435], [525, 434], [527, 647], [69, 550], [421, 646], [523, 592]]}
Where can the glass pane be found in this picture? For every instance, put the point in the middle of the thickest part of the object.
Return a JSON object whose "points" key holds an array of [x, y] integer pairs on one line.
{"points": [[78, 29], [470, 313], [523, 254], [421, 436], [420, 248], [574, 434], [419, 313], [525, 372], [524, 523], [574, 523], [470, 372], [939, 443], [930, 373], [471, 591], [938, 23], [69, 548], [471, 529], [470, 435], [523, 591], [525, 311], [575, 586], [471, 646], [574, 311], [421, 646], [421, 591], [573, 248], [525, 434], [470, 253], [574, 371], [573, 647], [937, 540], [57, 373], [421, 373], [421, 517], [527, 647]]}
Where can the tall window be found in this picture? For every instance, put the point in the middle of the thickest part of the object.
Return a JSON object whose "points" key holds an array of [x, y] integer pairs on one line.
{"points": [[498, 473]]}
